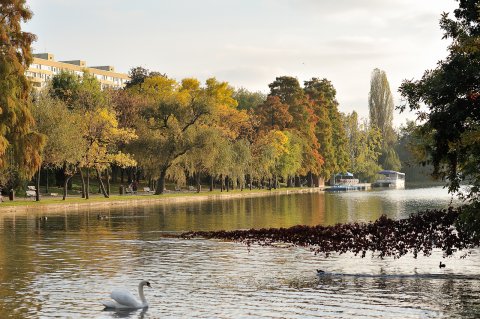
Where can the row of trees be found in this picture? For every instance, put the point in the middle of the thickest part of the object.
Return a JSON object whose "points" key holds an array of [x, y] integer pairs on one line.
{"points": [[178, 130]]}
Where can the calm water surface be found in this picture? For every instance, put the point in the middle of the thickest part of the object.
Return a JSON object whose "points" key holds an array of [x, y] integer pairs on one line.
{"points": [[65, 266]]}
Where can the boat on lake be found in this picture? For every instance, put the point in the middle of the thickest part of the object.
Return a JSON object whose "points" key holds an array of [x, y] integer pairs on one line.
{"points": [[391, 179], [343, 182]]}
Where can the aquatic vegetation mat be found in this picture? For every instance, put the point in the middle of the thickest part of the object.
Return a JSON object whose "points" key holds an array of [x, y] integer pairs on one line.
{"points": [[418, 234]]}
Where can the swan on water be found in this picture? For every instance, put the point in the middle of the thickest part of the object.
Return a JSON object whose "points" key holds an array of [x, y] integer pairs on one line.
{"points": [[124, 299]]}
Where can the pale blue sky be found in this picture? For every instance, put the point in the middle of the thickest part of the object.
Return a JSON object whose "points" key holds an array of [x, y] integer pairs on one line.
{"points": [[250, 42]]}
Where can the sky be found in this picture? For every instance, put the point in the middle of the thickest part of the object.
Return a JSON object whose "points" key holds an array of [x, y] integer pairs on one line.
{"points": [[248, 43]]}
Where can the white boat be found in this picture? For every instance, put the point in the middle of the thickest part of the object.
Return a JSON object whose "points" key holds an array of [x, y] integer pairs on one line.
{"points": [[345, 179], [391, 179]]}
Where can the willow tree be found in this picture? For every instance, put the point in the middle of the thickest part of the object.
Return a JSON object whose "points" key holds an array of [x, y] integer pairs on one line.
{"points": [[64, 146], [99, 128], [173, 118], [20, 146]]}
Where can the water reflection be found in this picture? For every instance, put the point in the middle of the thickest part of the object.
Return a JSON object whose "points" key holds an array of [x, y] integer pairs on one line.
{"points": [[66, 265], [125, 313]]}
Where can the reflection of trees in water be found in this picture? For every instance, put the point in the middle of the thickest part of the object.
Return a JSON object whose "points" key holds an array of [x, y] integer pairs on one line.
{"points": [[32, 249]]}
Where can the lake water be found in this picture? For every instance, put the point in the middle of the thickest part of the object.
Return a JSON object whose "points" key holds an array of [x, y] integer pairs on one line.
{"points": [[65, 266]]}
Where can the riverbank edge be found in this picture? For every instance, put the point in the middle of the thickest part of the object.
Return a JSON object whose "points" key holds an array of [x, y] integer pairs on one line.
{"points": [[37, 207]]}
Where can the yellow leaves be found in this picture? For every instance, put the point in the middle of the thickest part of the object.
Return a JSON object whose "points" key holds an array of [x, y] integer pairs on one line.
{"points": [[122, 160], [157, 88], [221, 92], [107, 116], [273, 144], [280, 141], [190, 84], [231, 120], [101, 131], [101, 126]]}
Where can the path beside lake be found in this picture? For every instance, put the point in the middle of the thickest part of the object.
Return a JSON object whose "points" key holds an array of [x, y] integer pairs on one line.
{"points": [[49, 205]]}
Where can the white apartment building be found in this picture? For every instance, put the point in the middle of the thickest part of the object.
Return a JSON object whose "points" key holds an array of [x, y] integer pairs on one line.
{"points": [[44, 67]]}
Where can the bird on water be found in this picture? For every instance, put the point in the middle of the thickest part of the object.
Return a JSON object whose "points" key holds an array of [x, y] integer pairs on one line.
{"points": [[124, 299], [441, 265]]}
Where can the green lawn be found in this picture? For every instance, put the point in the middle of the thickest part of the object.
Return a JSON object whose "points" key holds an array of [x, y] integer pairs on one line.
{"points": [[48, 200]]}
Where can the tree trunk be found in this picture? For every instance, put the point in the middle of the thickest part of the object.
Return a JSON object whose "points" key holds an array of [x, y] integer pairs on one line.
{"points": [[275, 181], [211, 183], [130, 176], [121, 175], [161, 182], [108, 181], [289, 181], [310, 179], [37, 186], [197, 181], [87, 186], [46, 180], [222, 183], [297, 181], [100, 182], [227, 183], [83, 182], [114, 173], [65, 185]]}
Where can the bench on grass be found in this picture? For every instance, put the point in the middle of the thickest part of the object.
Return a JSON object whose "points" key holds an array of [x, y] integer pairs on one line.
{"points": [[31, 192]]}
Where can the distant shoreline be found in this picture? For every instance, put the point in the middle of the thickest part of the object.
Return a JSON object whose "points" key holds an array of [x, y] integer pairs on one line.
{"points": [[57, 205]]}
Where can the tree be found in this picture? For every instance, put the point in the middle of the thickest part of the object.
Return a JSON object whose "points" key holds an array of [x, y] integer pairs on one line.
{"points": [[380, 104], [304, 120], [64, 145], [20, 146], [364, 147], [450, 93], [65, 86], [330, 127], [287, 88], [99, 128], [248, 100], [173, 119], [273, 114], [411, 152], [139, 74]]}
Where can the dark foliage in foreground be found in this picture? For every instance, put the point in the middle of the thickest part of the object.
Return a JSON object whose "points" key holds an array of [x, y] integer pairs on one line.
{"points": [[420, 233]]}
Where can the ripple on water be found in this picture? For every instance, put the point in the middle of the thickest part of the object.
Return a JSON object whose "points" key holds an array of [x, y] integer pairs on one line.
{"points": [[212, 279], [65, 267]]}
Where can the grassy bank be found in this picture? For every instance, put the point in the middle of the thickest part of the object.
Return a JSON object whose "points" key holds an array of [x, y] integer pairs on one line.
{"points": [[97, 201]]}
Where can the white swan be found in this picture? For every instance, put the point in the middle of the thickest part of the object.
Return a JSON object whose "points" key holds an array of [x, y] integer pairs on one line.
{"points": [[123, 299]]}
